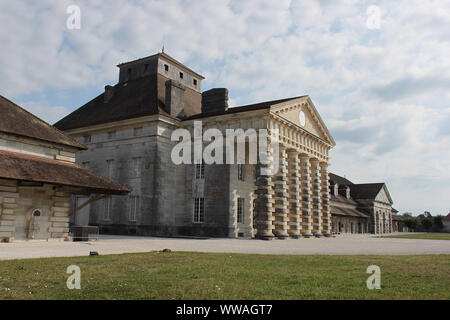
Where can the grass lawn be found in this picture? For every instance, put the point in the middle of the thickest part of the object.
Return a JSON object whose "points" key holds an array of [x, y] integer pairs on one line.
{"points": [[429, 236], [184, 275]]}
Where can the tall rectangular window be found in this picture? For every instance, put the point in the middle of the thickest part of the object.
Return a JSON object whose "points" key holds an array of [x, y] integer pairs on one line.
{"points": [[200, 171], [137, 131], [87, 139], [240, 210], [241, 172], [108, 205], [109, 168], [134, 207], [199, 210], [136, 166]]}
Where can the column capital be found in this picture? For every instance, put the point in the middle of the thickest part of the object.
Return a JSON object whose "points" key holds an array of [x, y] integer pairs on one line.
{"points": [[304, 156], [314, 161], [324, 164]]}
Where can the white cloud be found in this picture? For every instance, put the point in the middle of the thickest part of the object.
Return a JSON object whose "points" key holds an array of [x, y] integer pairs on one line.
{"points": [[381, 92]]}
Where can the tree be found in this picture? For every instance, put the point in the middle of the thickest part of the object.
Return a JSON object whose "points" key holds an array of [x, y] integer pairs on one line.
{"points": [[437, 224], [427, 214], [426, 223], [411, 223], [407, 214]]}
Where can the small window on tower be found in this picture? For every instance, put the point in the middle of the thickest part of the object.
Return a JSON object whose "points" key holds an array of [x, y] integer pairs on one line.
{"points": [[181, 75], [195, 82], [129, 73], [87, 139], [166, 67], [145, 67]]}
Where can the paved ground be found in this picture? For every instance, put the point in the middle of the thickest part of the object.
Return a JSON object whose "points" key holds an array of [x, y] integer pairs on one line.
{"points": [[342, 244]]}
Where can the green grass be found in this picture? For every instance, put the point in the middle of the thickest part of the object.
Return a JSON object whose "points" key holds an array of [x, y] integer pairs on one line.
{"points": [[428, 236], [183, 275]]}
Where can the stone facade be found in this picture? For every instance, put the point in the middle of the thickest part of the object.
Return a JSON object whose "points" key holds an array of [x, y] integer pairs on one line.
{"points": [[235, 200], [221, 200]]}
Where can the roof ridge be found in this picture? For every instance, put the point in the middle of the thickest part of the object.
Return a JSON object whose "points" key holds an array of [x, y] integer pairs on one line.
{"points": [[76, 143]]}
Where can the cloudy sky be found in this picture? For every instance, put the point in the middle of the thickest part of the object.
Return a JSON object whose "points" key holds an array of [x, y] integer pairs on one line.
{"points": [[377, 71]]}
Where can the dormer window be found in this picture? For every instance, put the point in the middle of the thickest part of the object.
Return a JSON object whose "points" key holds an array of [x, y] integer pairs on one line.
{"points": [[336, 190], [347, 192], [181, 75]]}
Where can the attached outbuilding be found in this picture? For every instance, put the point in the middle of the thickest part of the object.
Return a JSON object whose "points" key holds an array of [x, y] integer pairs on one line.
{"points": [[39, 176]]}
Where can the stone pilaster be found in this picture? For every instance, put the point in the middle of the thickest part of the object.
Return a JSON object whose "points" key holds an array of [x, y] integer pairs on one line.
{"points": [[8, 204], [316, 198], [281, 197], [294, 187], [325, 187], [59, 227], [306, 196]]}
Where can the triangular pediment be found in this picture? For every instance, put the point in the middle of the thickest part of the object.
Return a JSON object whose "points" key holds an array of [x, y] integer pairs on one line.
{"points": [[302, 113], [384, 196]]}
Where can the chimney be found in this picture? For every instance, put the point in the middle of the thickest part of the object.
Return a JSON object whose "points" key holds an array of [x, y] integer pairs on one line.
{"points": [[215, 100], [109, 93], [175, 98]]}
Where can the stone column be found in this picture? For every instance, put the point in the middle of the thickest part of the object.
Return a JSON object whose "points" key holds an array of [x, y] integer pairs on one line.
{"points": [[325, 192], [316, 198], [8, 204], [264, 203], [294, 195], [306, 193], [60, 218], [281, 197]]}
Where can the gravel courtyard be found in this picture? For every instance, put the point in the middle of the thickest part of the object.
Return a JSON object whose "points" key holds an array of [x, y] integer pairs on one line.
{"points": [[342, 244]]}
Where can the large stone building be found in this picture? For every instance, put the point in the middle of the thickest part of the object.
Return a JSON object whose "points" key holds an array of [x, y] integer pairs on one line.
{"points": [[361, 208], [38, 176], [128, 130]]}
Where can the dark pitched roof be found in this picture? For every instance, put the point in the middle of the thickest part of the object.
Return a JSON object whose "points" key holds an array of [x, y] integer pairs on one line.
{"points": [[16, 120], [342, 199], [365, 190], [250, 107], [132, 99], [334, 178], [22, 167]]}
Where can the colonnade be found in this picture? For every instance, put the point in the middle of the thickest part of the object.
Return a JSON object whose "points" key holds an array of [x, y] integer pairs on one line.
{"points": [[293, 202]]}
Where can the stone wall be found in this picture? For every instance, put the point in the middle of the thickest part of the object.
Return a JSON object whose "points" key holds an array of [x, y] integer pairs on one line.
{"points": [[17, 206]]}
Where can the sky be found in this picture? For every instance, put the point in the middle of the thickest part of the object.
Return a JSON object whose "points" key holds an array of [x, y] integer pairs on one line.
{"points": [[377, 71]]}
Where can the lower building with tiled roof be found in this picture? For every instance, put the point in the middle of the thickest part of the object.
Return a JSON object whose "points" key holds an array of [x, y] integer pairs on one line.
{"points": [[38, 177], [361, 207]]}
